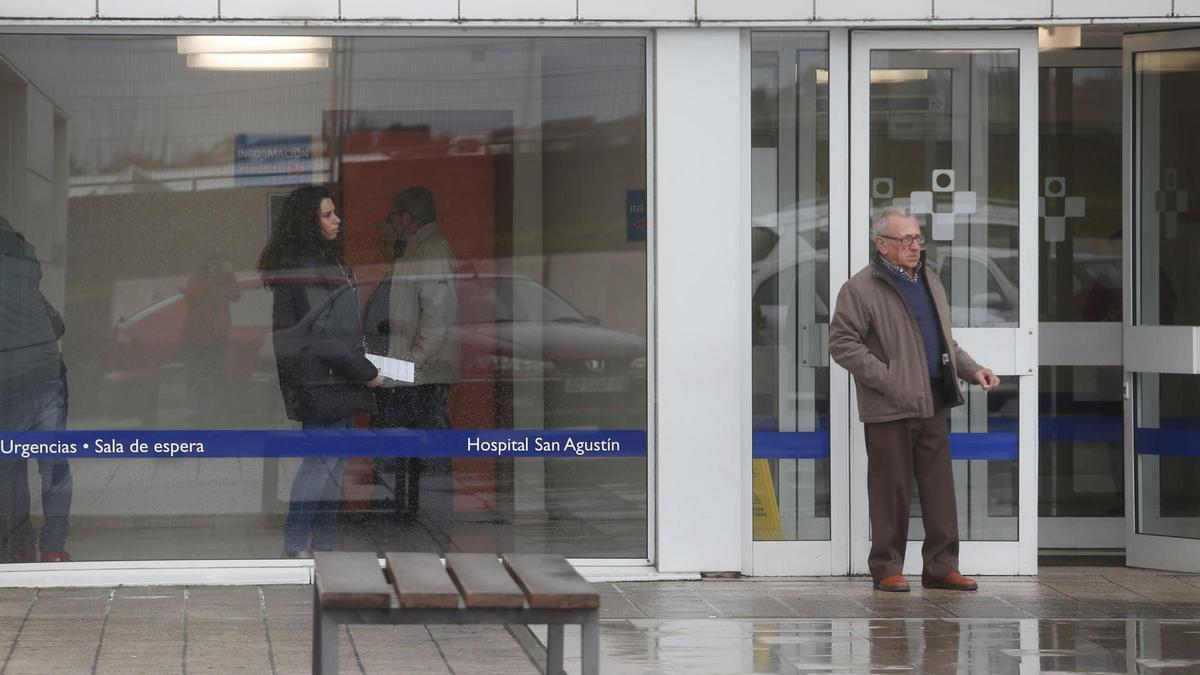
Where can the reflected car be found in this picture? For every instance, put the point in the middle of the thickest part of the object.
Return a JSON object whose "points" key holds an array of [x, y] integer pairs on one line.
{"points": [[528, 359], [540, 361]]}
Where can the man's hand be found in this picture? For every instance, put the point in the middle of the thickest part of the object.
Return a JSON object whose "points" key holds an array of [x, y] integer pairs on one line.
{"points": [[375, 382], [986, 379]]}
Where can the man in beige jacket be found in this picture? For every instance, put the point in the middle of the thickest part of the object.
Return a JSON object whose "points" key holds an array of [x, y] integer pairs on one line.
{"points": [[891, 330], [422, 327]]}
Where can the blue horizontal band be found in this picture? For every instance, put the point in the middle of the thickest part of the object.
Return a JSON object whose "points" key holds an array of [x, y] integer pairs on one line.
{"points": [[1081, 429], [1000, 446], [1167, 442], [456, 443], [791, 445]]}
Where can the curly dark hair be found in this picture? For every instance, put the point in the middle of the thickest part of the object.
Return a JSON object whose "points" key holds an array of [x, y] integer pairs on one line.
{"points": [[296, 236]]}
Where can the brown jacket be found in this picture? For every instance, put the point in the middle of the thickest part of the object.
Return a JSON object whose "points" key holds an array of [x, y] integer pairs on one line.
{"points": [[874, 336]]}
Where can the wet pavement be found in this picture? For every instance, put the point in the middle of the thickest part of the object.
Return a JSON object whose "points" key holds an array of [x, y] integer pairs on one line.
{"points": [[1072, 619]]}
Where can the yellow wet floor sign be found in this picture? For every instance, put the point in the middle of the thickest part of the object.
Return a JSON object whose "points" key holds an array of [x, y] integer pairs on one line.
{"points": [[767, 524]]}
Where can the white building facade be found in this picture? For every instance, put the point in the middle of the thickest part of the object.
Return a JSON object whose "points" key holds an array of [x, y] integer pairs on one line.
{"points": [[652, 206]]}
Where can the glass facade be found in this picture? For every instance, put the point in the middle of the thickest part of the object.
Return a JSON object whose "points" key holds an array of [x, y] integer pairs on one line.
{"points": [[1081, 470], [790, 285], [155, 187], [944, 144], [1079, 194], [1167, 447], [1168, 170]]}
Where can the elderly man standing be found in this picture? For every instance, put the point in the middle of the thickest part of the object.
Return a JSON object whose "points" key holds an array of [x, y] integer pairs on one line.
{"points": [[891, 330]]}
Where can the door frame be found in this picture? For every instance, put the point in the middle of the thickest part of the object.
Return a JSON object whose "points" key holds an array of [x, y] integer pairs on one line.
{"points": [[1144, 346], [1080, 343], [828, 557], [1008, 351]]}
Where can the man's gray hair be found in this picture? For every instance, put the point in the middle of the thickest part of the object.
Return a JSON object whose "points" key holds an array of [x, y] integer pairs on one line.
{"points": [[880, 222]]}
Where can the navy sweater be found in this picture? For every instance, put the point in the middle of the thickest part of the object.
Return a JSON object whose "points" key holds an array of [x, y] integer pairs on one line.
{"points": [[916, 294]]}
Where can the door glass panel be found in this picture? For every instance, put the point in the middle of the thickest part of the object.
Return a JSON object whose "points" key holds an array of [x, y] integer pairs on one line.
{"points": [[1167, 443], [1081, 470], [984, 449], [1080, 194], [790, 285], [944, 144], [1168, 170]]}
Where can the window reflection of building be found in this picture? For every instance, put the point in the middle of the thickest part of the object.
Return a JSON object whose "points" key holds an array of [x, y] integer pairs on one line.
{"points": [[537, 145]]}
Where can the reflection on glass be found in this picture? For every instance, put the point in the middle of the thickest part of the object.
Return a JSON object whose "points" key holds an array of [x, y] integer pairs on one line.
{"points": [[1080, 194], [1168, 171], [1167, 447], [984, 451], [153, 187], [944, 144], [790, 279], [1081, 443]]}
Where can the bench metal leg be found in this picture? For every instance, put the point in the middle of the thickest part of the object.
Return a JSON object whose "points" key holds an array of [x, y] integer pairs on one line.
{"points": [[591, 643], [325, 640], [554, 649]]}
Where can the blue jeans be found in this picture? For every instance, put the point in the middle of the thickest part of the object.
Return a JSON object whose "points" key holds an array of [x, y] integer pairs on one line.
{"points": [[315, 498], [40, 408]]}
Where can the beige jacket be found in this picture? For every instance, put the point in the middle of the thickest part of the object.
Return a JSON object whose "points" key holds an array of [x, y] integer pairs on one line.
{"points": [[874, 336], [423, 309]]}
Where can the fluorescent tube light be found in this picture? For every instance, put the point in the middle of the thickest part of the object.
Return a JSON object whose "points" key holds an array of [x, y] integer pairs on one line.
{"points": [[894, 75], [221, 44], [1059, 38], [259, 61]]}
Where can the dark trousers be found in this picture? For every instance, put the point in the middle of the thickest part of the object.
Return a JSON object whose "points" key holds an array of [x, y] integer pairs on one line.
{"points": [[422, 406], [897, 451]]}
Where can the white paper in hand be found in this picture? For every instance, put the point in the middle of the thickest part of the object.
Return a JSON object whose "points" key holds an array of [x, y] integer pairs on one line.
{"points": [[393, 369]]}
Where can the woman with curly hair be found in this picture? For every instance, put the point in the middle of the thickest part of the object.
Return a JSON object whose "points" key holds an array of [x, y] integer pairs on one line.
{"points": [[319, 351]]}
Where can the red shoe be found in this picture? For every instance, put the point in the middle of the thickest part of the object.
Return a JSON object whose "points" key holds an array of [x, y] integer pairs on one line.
{"points": [[56, 556], [893, 584], [952, 582], [23, 555]]}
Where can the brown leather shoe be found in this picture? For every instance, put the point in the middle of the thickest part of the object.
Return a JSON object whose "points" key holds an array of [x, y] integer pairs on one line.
{"points": [[953, 582], [892, 584]]}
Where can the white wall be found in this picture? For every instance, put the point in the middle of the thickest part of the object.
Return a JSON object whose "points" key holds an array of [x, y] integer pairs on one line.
{"points": [[568, 11], [700, 341]]}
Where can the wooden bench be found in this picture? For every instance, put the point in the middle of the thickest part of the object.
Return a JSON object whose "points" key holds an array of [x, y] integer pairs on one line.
{"points": [[471, 588]]}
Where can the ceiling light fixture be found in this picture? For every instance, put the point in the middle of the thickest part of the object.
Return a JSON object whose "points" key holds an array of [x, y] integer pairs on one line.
{"points": [[259, 61], [224, 44], [894, 75], [1059, 38]]}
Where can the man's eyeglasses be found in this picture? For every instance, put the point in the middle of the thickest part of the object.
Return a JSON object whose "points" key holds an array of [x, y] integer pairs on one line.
{"points": [[907, 240]]}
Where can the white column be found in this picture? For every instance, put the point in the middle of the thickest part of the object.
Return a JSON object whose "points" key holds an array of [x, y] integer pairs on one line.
{"points": [[702, 278]]}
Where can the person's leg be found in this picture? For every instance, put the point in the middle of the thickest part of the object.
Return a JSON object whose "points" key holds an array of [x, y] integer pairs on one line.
{"points": [[306, 489], [889, 490], [322, 494], [20, 541], [939, 511], [324, 528], [22, 412], [55, 472]]}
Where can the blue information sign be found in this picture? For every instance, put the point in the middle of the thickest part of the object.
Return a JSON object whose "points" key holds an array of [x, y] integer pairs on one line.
{"points": [[494, 443]]}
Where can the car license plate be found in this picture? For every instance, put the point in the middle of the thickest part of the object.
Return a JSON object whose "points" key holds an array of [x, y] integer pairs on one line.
{"points": [[592, 385]]}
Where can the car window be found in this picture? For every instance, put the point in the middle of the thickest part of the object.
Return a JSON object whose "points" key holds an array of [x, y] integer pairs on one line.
{"points": [[531, 301]]}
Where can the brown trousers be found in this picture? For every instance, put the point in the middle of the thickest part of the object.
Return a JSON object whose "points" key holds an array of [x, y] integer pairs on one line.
{"points": [[897, 451]]}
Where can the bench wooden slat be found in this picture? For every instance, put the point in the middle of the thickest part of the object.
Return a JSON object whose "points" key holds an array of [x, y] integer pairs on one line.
{"points": [[483, 581], [421, 581], [351, 580], [550, 582]]}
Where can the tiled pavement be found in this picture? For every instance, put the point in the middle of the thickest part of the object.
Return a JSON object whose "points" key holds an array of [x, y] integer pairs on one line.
{"points": [[1068, 619]]}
